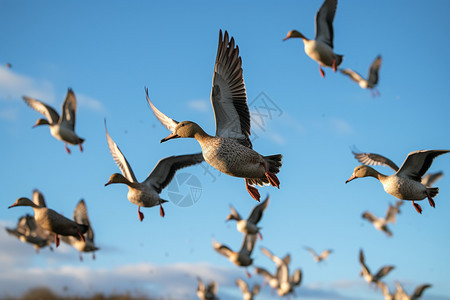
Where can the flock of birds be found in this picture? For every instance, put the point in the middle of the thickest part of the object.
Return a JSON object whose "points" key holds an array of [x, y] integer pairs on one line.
{"points": [[230, 151]]}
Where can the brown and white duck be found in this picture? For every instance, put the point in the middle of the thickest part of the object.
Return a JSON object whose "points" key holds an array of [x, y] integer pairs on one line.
{"points": [[320, 49], [52, 221], [230, 150], [62, 128], [406, 183], [146, 193]]}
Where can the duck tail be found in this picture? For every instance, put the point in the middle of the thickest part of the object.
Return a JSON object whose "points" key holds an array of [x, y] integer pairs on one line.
{"points": [[339, 59], [433, 191], [274, 162]]}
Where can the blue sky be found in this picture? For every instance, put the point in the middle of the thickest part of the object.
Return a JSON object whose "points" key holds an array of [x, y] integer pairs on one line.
{"points": [[108, 51]]}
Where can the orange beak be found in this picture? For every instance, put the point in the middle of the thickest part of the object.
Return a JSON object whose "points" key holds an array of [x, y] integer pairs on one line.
{"points": [[350, 179], [169, 137]]}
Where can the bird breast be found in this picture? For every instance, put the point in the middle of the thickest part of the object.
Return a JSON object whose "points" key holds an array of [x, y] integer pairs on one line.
{"points": [[320, 52], [404, 188], [143, 197]]}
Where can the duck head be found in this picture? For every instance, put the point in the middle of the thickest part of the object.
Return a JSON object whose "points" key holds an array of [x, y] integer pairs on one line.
{"points": [[185, 129], [362, 171], [294, 34], [41, 122], [117, 178], [23, 202]]}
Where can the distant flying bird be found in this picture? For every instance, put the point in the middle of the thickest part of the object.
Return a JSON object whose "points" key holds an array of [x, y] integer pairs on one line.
{"points": [[80, 216], [369, 277], [395, 210], [406, 183], [8, 65], [207, 292], [62, 128], [241, 258], [385, 290], [26, 232], [272, 279], [286, 283], [400, 293], [247, 294], [230, 150], [249, 226], [146, 193], [321, 48], [372, 77], [322, 256], [52, 221], [379, 223]]}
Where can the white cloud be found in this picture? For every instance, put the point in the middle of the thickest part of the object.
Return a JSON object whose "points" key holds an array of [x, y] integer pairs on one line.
{"points": [[14, 86], [341, 126], [89, 103], [200, 105]]}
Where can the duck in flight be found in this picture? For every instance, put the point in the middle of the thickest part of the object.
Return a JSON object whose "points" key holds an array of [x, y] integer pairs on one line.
{"points": [[230, 150], [62, 128], [320, 49], [146, 193], [406, 183]]}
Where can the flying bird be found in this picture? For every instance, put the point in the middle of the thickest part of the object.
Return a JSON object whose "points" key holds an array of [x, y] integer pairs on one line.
{"points": [[286, 282], [207, 292], [372, 77], [230, 150], [52, 221], [80, 216], [385, 290], [317, 257], [247, 294], [321, 48], [400, 293], [146, 193], [241, 258], [368, 276], [249, 226], [406, 183], [62, 128], [26, 231], [272, 279]]}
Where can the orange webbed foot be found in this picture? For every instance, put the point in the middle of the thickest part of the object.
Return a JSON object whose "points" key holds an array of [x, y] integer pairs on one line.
{"points": [[417, 207], [273, 179], [322, 73], [67, 148], [334, 65], [141, 215], [56, 240], [81, 147], [252, 191], [431, 201], [161, 211]]}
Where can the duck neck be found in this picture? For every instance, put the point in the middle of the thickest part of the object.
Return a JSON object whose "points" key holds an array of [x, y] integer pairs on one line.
{"points": [[200, 135], [374, 173]]}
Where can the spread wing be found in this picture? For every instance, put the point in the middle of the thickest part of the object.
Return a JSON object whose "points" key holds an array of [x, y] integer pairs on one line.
{"points": [[119, 158], [324, 22], [419, 290], [165, 120], [430, 178], [248, 244], [353, 75], [69, 109], [372, 78], [38, 199], [80, 216], [418, 162], [166, 168], [49, 113], [222, 249], [374, 159], [257, 211], [369, 216], [228, 95], [242, 285], [365, 269], [383, 272]]}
